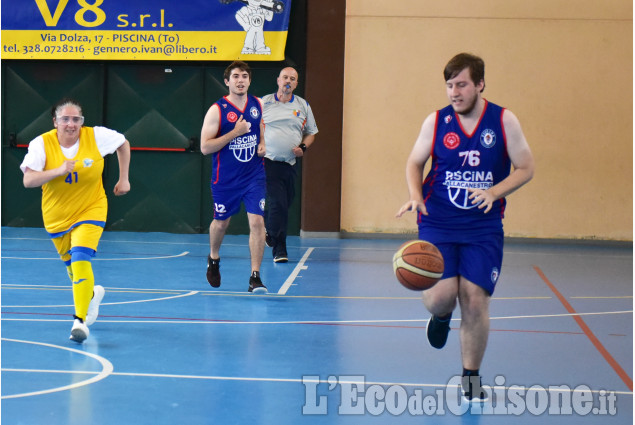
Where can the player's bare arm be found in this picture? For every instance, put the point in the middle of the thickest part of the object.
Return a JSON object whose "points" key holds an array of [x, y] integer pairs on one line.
{"points": [[522, 161], [209, 142], [414, 167], [34, 178], [123, 157]]}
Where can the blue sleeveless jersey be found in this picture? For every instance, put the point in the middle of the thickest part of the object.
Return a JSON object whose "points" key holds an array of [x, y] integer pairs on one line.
{"points": [[237, 163], [461, 161]]}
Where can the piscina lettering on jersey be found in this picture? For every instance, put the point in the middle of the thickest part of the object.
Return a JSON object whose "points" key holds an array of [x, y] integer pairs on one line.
{"points": [[458, 183], [244, 147]]}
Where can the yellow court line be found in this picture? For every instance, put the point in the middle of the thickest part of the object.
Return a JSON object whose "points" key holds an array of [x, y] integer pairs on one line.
{"points": [[110, 291], [272, 295], [226, 294], [521, 298], [604, 298]]}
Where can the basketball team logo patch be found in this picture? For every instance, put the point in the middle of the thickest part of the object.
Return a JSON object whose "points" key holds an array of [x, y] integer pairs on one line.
{"points": [[488, 138], [254, 112], [232, 117], [495, 274], [451, 140]]}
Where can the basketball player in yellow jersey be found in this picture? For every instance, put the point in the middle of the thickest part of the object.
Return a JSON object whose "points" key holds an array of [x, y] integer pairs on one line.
{"points": [[67, 163]]}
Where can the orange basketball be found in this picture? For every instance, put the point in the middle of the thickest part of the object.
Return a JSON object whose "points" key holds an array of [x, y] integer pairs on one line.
{"points": [[418, 265]]}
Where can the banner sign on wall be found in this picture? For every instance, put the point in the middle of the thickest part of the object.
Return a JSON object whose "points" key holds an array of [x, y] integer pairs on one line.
{"points": [[145, 29]]}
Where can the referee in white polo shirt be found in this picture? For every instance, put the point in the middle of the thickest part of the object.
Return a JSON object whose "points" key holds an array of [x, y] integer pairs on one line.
{"points": [[290, 130]]}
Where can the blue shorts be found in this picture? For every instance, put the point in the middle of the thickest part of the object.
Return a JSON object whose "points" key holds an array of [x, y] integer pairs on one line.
{"points": [[477, 257], [227, 201]]}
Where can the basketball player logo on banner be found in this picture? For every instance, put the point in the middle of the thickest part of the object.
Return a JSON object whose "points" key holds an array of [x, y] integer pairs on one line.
{"points": [[252, 18]]}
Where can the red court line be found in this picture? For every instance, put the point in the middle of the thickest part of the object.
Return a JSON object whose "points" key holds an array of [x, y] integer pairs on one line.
{"points": [[132, 148], [158, 149], [596, 342]]}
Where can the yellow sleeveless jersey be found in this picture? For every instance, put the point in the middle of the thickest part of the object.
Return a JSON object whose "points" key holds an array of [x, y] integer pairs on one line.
{"points": [[77, 197]]}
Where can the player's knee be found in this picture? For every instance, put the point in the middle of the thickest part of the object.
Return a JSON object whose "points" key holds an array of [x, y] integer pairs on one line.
{"points": [[81, 253], [219, 224], [474, 306], [256, 223], [439, 302]]}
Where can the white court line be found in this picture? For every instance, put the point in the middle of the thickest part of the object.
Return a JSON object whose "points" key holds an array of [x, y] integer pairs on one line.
{"points": [[184, 253], [106, 370], [511, 251], [540, 316], [101, 241], [287, 284], [312, 322], [113, 288], [153, 299], [117, 303], [311, 380]]}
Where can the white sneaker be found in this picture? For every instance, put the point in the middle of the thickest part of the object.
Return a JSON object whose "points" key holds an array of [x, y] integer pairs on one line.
{"points": [[79, 332], [93, 307]]}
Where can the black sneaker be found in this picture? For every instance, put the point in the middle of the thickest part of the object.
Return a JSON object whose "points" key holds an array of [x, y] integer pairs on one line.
{"points": [[255, 284], [438, 330], [213, 272], [473, 391], [268, 240], [280, 258]]}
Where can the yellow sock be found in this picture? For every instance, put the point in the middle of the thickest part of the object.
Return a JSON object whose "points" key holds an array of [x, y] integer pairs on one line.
{"points": [[69, 270], [83, 285]]}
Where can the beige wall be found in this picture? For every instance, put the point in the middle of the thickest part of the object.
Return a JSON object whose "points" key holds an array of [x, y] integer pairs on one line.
{"points": [[564, 67]]}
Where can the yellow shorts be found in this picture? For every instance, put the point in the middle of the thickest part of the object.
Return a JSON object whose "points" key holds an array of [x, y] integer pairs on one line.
{"points": [[85, 235]]}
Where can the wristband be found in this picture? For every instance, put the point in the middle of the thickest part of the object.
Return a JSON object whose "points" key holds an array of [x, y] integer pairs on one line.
{"points": [[303, 147]]}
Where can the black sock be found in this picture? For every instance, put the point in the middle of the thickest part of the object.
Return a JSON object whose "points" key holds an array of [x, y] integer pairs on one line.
{"points": [[444, 318], [255, 274], [469, 372]]}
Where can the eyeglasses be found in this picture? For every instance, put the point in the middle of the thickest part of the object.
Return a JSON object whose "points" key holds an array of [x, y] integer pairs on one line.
{"points": [[65, 119]]}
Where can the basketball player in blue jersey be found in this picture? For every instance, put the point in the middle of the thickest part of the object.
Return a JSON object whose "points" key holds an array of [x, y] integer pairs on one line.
{"points": [[473, 145], [233, 133]]}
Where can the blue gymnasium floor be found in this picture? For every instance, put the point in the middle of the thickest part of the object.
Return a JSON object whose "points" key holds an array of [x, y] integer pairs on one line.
{"points": [[337, 340]]}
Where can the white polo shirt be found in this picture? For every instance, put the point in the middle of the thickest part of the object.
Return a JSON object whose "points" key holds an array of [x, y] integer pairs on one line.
{"points": [[285, 125]]}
